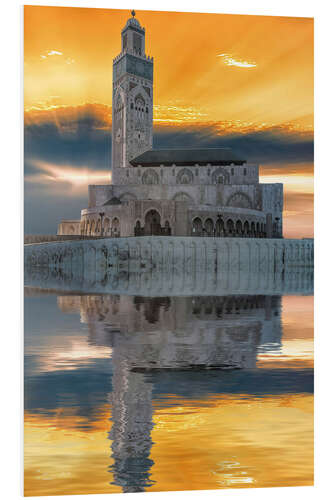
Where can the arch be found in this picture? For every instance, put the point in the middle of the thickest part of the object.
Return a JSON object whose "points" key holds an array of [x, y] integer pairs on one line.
{"points": [[167, 228], [197, 226], [92, 227], [181, 196], [138, 230], [239, 200], [150, 177], [219, 230], [152, 223], [239, 228], [230, 227], [139, 101], [115, 227], [106, 227], [184, 176], [221, 176], [209, 227], [246, 228]]}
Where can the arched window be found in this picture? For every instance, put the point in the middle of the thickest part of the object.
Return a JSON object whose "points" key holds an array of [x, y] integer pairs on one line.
{"points": [[184, 176], [239, 229], [230, 227], [115, 227], [197, 227], [209, 227], [219, 227], [150, 177]]}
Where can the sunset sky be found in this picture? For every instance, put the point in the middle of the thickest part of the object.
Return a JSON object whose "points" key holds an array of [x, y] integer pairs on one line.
{"points": [[219, 80]]}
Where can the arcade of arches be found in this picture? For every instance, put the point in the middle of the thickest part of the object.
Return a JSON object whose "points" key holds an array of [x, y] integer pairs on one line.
{"points": [[200, 226], [101, 227], [227, 228]]}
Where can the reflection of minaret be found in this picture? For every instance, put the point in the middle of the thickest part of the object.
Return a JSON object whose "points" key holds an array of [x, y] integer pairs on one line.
{"points": [[132, 424], [173, 333]]}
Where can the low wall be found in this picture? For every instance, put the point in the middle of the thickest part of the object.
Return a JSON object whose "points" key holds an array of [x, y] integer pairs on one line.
{"points": [[44, 238], [133, 254]]}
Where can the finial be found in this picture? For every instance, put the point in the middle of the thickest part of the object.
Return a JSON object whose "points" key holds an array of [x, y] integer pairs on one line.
{"points": [[133, 13]]}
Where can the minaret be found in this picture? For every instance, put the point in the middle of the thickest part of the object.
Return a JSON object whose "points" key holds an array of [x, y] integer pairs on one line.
{"points": [[132, 99]]}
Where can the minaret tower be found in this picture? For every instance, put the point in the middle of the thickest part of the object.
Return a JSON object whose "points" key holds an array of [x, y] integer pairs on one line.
{"points": [[132, 99]]}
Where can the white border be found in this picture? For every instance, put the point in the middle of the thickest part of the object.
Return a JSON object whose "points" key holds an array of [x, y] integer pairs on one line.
{"points": [[12, 215]]}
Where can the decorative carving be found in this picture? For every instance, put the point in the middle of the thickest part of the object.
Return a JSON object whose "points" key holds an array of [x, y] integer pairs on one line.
{"points": [[181, 196], [221, 176], [150, 177], [239, 200], [184, 176]]}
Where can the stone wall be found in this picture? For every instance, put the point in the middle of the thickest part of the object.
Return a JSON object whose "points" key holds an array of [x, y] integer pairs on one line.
{"points": [[69, 227], [43, 238], [201, 255]]}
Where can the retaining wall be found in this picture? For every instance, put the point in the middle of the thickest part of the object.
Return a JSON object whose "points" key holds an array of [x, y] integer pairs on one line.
{"points": [[133, 254]]}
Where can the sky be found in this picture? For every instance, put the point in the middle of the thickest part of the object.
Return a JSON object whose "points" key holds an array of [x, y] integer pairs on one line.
{"points": [[244, 82]]}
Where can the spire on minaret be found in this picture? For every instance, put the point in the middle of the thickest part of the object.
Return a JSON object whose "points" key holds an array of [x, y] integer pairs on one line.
{"points": [[133, 13]]}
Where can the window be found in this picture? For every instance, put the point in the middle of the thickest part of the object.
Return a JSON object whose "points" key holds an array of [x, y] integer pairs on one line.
{"points": [[244, 171], [232, 171]]}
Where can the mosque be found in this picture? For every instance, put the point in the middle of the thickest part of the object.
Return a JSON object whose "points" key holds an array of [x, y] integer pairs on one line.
{"points": [[172, 192]]}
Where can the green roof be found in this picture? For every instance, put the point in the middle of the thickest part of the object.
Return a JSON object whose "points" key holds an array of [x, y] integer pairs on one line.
{"points": [[214, 156]]}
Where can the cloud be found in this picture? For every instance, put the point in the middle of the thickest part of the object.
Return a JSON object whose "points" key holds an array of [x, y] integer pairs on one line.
{"points": [[229, 60], [68, 147], [51, 53]]}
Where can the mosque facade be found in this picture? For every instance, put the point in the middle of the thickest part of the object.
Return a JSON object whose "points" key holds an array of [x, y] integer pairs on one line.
{"points": [[171, 192]]}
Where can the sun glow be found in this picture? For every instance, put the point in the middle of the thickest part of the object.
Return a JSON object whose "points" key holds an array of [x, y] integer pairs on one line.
{"points": [[78, 177]]}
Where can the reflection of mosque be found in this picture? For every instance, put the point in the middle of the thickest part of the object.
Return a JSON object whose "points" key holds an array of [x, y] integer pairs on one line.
{"points": [[151, 335]]}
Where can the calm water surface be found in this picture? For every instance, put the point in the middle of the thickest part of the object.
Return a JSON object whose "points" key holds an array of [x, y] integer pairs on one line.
{"points": [[129, 393]]}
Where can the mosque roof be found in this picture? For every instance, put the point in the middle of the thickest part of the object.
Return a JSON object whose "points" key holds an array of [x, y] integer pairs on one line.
{"points": [[113, 201], [214, 156]]}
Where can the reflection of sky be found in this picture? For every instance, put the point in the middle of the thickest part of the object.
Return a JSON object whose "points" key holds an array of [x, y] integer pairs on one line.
{"points": [[254, 425], [255, 98]]}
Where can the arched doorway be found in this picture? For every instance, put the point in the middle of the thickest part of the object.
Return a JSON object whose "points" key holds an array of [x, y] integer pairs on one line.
{"points": [[153, 223]]}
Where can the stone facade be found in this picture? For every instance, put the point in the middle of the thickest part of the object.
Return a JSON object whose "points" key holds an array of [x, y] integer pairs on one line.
{"points": [[193, 192]]}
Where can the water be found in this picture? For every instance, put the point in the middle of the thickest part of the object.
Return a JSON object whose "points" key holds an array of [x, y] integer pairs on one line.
{"points": [[132, 392]]}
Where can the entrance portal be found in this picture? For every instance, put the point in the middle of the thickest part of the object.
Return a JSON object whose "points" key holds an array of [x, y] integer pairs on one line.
{"points": [[153, 223]]}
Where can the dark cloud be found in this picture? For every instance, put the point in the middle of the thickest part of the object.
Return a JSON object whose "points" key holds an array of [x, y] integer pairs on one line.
{"points": [[81, 137], [272, 145]]}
